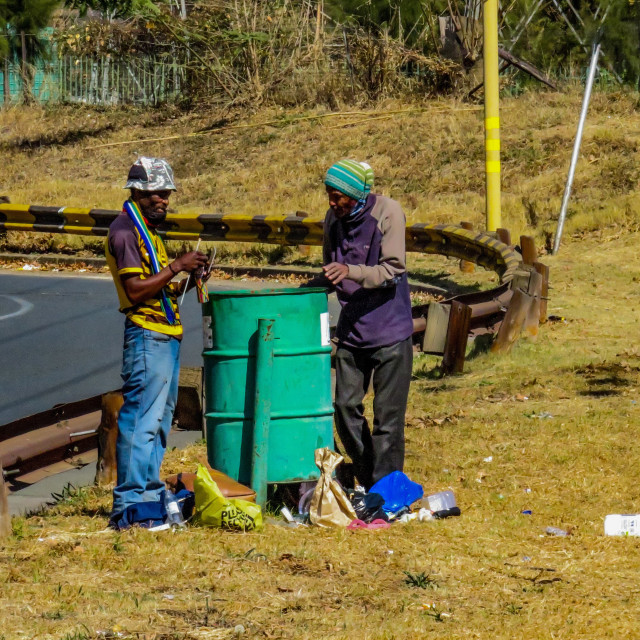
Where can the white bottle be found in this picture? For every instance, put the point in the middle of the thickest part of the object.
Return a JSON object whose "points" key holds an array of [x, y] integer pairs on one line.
{"points": [[622, 525], [174, 512]]}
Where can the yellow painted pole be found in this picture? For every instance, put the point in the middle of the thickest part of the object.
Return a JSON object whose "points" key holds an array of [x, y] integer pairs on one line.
{"points": [[491, 113]]}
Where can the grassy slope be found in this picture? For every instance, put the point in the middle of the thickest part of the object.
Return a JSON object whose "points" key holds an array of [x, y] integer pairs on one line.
{"points": [[495, 573], [430, 160]]}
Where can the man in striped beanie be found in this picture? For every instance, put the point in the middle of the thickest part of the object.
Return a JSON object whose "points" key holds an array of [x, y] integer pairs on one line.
{"points": [[364, 261]]}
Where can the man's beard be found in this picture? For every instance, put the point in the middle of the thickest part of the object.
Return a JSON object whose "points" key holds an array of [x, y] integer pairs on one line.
{"points": [[155, 217]]}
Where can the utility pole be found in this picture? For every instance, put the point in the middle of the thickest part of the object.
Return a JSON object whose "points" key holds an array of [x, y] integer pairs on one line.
{"points": [[491, 113]]}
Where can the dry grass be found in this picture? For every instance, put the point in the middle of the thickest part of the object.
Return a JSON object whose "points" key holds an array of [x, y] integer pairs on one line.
{"points": [[429, 156], [493, 572]]}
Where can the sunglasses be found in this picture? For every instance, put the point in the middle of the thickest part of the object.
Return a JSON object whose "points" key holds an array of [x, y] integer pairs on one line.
{"points": [[156, 195]]}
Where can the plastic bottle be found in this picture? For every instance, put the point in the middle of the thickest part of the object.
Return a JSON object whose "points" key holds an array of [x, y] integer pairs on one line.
{"points": [[174, 512], [556, 531], [622, 525]]}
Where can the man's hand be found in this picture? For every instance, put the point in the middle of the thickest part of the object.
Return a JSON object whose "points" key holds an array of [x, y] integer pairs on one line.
{"points": [[335, 272], [189, 262]]}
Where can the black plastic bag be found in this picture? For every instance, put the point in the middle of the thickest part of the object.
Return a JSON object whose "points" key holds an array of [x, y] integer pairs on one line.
{"points": [[368, 506]]}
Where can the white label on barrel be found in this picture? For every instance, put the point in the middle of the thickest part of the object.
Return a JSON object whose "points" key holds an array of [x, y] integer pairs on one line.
{"points": [[207, 335], [325, 335]]}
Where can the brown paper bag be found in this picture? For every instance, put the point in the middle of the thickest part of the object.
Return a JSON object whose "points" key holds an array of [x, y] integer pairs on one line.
{"points": [[330, 507]]}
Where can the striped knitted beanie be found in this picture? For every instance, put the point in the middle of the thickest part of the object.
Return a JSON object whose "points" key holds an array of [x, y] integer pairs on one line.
{"points": [[350, 177]]}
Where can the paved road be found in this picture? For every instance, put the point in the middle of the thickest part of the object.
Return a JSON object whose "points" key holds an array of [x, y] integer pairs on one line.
{"points": [[61, 338]]}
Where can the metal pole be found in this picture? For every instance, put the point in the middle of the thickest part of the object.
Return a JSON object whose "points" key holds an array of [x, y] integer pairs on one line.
{"points": [[491, 113], [262, 409], [576, 146]]}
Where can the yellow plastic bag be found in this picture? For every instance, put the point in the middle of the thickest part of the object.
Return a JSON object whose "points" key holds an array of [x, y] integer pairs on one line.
{"points": [[214, 510]]}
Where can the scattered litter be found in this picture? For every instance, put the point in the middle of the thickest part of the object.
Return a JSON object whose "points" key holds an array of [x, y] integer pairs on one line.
{"points": [[556, 531], [306, 493], [441, 501], [368, 506], [526, 512], [286, 514], [398, 491], [521, 398], [488, 459], [526, 559], [542, 415], [424, 515], [174, 510], [407, 517], [213, 509], [168, 596], [291, 520], [389, 552], [81, 270], [561, 319], [30, 267], [359, 524], [527, 490], [446, 513], [330, 506], [616, 524], [277, 522], [115, 632]]}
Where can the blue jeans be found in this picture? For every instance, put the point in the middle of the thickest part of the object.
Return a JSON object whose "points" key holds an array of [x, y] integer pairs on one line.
{"points": [[151, 372]]}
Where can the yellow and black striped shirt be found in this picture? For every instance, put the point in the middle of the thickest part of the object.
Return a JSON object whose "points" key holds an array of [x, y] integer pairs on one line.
{"points": [[126, 254]]}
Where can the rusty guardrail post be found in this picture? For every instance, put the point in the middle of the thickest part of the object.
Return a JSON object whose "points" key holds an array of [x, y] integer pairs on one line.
{"points": [[532, 321], [513, 322], [5, 518], [504, 235], [457, 336], [543, 270], [529, 251]]}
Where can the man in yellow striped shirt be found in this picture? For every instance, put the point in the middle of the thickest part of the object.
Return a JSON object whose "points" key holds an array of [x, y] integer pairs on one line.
{"points": [[148, 296]]}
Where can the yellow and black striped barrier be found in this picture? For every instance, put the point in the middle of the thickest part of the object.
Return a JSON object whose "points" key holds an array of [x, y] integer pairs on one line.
{"points": [[447, 240]]}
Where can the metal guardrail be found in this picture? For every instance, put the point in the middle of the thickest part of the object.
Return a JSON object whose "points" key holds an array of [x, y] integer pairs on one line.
{"points": [[446, 330], [448, 240]]}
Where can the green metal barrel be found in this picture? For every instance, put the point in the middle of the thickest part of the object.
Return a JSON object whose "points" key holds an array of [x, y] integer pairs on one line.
{"points": [[301, 412]]}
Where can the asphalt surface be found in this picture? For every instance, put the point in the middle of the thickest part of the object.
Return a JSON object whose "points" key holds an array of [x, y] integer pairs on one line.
{"points": [[61, 337]]}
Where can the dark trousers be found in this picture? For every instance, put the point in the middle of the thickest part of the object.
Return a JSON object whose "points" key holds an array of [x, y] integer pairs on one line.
{"points": [[378, 452]]}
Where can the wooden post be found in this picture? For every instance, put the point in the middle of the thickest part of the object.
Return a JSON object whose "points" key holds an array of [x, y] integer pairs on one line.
{"points": [[513, 321], [457, 336], [528, 247], [543, 270], [504, 236], [465, 265], [5, 518]]}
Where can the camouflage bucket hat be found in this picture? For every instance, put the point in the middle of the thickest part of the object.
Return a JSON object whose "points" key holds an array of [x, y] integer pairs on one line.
{"points": [[150, 174]]}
